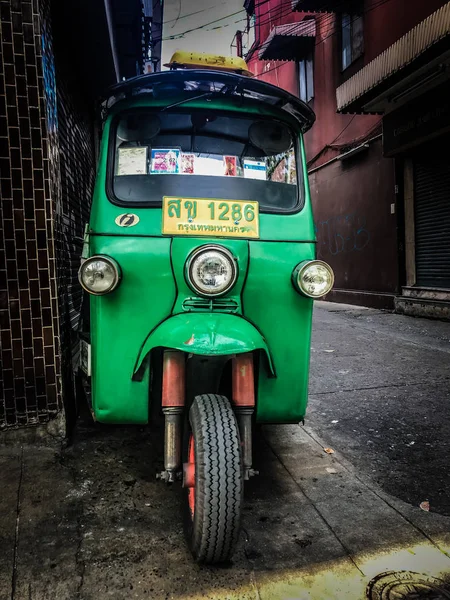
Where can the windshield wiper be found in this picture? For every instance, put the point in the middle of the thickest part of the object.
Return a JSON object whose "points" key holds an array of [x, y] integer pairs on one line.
{"points": [[204, 95], [223, 92]]}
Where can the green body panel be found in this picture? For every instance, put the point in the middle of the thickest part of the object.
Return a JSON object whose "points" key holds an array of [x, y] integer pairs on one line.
{"points": [[206, 334], [182, 247], [120, 322], [284, 317], [299, 226], [146, 310]]}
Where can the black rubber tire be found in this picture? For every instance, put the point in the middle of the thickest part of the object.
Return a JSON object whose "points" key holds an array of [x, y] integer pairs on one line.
{"points": [[213, 532]]}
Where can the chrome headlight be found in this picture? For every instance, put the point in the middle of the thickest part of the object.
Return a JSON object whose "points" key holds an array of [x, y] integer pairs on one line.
{"points": [[313, 278], [211, 271], [99, 275]]}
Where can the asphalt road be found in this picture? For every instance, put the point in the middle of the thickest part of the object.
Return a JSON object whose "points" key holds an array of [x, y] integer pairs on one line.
{"points": [[380, 394], [91, 522]]}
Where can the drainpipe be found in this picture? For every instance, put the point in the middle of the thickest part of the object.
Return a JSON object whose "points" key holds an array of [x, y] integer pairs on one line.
{"points": [[112, 40], [239, 43]]}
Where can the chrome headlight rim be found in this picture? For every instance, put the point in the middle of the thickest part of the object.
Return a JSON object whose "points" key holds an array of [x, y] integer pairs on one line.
{"points": [[300, 269], [201, 250], [111, 262]]}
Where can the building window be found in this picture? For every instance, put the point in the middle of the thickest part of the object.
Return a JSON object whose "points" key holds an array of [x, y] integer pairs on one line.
{"points": [[306, 78], [352, 38]]}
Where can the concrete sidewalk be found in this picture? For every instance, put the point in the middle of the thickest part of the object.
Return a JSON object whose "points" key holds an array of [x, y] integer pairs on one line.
{"points": [[91, 522]]}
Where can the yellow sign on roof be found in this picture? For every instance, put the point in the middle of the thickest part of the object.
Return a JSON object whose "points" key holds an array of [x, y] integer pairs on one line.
{"points": [[201, 60]]}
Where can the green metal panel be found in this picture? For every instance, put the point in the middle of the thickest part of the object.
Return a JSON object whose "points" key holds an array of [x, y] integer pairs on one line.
{"points": [[182, 248], [153, 288], [284, 317], [121, 320], [298, 226], [206, 334]]}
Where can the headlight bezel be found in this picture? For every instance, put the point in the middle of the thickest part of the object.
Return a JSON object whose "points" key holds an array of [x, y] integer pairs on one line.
{"points": [[111, 262], [299, 271], [202, 250]]}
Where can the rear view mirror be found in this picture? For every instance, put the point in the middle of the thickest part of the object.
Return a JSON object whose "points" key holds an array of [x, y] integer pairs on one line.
{"points": [[136, 128], [272, 137]]}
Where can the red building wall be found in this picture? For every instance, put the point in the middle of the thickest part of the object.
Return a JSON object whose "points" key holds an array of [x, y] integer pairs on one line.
{"points": [[330, 128], [387, 21], [384, 22], [354, 200], [355, 227]]}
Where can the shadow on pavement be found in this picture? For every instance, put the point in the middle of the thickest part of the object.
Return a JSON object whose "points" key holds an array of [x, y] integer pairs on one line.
{"points": [[95, 523]]}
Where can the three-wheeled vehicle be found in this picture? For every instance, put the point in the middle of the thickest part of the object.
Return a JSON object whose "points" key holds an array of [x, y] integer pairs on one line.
{"points": [[200, 264]]}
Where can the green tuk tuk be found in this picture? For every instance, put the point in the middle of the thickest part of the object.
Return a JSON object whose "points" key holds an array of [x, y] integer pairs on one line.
{"points": [[199, 259]]}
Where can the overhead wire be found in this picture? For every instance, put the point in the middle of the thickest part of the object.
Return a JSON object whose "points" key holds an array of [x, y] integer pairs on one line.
{"points": [[197, 12], [330, 144], [178, 35], [179, 13], [330, 20], [280, 7], [281, 14]]}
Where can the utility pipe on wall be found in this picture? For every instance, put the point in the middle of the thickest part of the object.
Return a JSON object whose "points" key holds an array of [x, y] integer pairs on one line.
{"points": [[339, 157]]}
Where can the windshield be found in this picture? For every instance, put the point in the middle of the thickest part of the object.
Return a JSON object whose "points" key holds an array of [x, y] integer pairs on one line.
{"points": [[199, 154]]}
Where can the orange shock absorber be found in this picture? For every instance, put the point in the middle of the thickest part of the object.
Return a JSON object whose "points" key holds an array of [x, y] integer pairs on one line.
{"points": [[173, 385], [243, 380], [243, 387], [173, 400]]}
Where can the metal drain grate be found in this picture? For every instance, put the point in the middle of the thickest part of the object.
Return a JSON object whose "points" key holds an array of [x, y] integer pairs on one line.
{"points": [[406, 585]]}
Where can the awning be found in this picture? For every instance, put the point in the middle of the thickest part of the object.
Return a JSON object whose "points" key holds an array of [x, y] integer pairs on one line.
{"points": [[316, 5], [289, 42], [413, 59]]}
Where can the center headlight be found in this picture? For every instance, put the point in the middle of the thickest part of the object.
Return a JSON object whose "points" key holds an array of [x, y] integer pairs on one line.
{"points": [[211, 271]]}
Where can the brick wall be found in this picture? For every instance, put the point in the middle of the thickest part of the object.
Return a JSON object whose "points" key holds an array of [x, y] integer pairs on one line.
{"points": [[47, 170], [29, 323], [71, 118]]}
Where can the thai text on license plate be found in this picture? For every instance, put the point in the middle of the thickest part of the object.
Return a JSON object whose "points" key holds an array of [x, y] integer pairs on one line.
{"points": [[207, 217]]}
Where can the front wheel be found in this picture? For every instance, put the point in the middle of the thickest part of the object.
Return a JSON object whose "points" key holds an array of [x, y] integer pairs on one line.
{"points": [[213, 479]]}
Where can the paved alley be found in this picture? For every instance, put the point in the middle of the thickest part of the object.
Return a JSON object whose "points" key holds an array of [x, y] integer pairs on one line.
{"points": [[91, 522]]}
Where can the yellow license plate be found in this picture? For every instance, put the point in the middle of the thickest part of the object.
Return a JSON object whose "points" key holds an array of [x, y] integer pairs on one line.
{"points": [[203, 216]]}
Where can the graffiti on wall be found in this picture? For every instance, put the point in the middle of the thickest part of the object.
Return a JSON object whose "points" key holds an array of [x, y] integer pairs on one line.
{"points": [[341, 233], [48, 69]]}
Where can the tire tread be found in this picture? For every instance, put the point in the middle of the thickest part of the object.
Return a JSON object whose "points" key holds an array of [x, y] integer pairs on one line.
{"points": [[219, 476]]}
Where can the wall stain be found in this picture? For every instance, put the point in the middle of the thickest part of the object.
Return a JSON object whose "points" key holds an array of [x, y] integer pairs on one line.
{"points": [[341, 234]]}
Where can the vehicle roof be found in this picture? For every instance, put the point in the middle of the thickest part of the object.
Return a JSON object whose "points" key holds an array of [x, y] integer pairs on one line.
{"points": [[202, 81]]}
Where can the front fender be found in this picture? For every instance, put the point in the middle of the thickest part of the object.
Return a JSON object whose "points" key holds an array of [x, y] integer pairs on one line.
{"points": [[207, 334]]}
